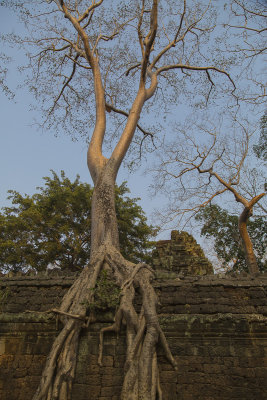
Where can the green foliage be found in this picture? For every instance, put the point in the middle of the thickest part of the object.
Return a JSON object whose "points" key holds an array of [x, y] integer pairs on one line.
{"points": [[223, 228], [53, 227], [134, 233], [106, 293]]}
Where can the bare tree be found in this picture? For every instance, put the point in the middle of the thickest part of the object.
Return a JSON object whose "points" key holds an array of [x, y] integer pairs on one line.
{"points": [[208, 164], [252, 27], [94, 66], [3, 72], [247, 26]]}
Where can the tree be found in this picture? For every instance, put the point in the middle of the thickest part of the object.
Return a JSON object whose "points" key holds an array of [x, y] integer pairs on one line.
{"points": [[53, 227], [260, 149], [212, 167], [94, 68], [223, 228], [3, 72], [248, 30]]}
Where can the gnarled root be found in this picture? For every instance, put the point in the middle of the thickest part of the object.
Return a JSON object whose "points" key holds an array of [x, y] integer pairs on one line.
{"points": [[141, 380], [143, 332], [58, 374]]}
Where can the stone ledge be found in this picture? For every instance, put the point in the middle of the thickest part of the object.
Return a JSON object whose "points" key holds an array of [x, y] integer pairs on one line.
{"points": [[213, 280], [22, 322], [37, 281], [170, 279]]}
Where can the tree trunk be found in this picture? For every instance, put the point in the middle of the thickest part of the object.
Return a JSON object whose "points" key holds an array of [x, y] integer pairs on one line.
{"points": [[104, 226], [247, 244], [141, 379]]}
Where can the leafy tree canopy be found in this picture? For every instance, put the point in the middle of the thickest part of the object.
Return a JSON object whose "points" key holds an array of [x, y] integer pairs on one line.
{"points": [[223, 228], [53, 227]]}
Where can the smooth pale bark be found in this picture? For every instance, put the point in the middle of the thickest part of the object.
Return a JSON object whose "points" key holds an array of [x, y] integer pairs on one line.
{"points": [[243, 219], [247, 244], [242, 225]]}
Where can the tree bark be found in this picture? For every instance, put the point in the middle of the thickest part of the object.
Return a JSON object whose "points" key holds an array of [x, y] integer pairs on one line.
{"points": [[104, 226], [247, 244]]}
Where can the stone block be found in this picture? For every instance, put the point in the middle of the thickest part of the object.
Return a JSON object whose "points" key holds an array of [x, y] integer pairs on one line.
{"points": [[110, 391]]}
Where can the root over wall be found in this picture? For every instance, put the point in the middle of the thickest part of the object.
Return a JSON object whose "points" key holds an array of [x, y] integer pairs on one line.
{"points": [[216, 329]]}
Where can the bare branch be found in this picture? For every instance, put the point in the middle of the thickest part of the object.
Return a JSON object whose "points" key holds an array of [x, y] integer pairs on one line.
{"points": [[149, 39], [65, 84], [89, 10], [131, 68], [248, 28], [195, 68], [178, 38], [81, 33], [79, 64], [255, 200], [140, 36], [110, 107], [181, 22], [253, 12]]}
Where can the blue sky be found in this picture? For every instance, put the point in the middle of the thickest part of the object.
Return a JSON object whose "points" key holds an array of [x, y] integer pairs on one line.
{"points": [[28, 154]]}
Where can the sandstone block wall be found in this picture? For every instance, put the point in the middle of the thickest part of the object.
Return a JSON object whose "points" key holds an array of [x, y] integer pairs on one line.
{"points": [[216, 328], [182, 255]]}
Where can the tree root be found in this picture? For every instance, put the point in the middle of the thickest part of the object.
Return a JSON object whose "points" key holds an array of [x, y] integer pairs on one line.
{"points": [[143, 332], [141, 379]]}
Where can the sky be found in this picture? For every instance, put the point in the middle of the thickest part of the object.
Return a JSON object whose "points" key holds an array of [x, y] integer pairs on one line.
{"points": [[28, 154]]}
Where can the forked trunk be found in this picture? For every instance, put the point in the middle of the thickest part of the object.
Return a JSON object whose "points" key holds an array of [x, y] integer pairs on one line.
{"points": [[247, 244], [141, 379]]}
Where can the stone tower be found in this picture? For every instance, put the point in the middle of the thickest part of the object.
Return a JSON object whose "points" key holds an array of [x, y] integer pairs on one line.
{"points": [[182, 254]]}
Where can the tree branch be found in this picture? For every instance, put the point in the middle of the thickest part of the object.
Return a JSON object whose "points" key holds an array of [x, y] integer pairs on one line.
{"points": [[140, 36], [195, 68], [95, 157], [149, 39], [248, 29], [89, 9], [65, 84], [249, 11], [256, 199], [131, 68], [178, 39], [110, 107]]}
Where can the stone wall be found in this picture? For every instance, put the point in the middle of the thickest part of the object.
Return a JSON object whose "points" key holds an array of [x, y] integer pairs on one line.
{"points": [[216, 328]]}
